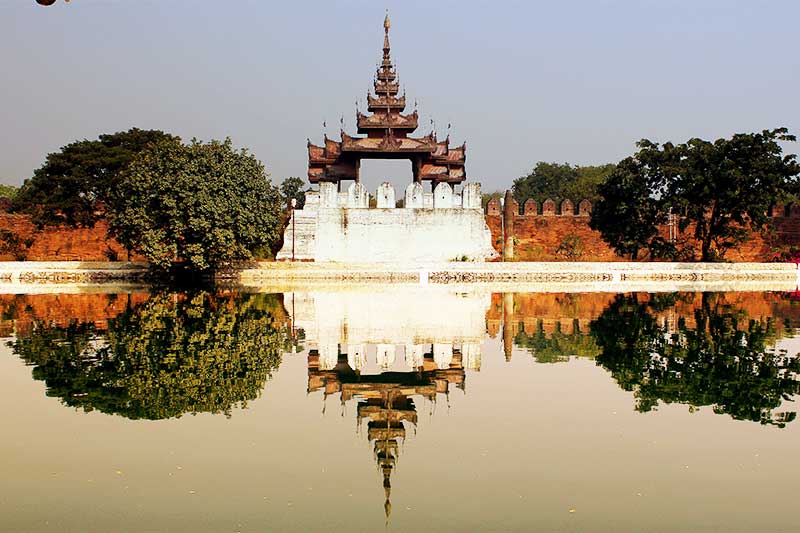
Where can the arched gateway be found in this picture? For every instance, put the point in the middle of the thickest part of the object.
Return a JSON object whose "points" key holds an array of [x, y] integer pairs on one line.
{"points": [[336, 222]]}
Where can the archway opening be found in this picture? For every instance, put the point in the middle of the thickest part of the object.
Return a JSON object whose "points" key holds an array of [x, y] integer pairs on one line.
{"points": [[398, 172]]}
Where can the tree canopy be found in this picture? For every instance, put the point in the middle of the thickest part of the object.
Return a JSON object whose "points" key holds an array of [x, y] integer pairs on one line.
{"points": [[719, 357], [560, 181], [628, 214], [172, 354], [293, 188], [718, 190], [73, 185], [8, 191], [202, 204]]}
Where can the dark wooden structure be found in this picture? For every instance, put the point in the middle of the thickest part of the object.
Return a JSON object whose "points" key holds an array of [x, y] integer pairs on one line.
{"points": [[387, 132], [386, 401]]}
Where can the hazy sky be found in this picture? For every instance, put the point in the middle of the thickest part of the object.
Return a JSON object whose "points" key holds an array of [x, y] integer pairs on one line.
{"points": [[524, 81]]}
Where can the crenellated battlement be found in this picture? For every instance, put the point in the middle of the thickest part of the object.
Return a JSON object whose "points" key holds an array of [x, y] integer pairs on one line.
{"points": [[583, 208], [548, 208], [414, 197], [417, 226]]}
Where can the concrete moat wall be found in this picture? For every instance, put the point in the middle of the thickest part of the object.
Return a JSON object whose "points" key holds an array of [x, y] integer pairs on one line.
{"points": [[430, 227]]}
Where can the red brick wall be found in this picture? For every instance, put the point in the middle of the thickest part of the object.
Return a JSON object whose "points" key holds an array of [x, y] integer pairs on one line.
{"points": [[64, 244], [538, 237]]}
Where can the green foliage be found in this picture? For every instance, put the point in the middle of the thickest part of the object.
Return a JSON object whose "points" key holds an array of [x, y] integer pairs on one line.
{"points": [[722, 359], [204, 205], [171, 355], [73, 185], [722, 189], [557, 347], [8, 191], [293, 188], [725, 188], [560, 181], [570, 248], [628, 213], [13, 244]]}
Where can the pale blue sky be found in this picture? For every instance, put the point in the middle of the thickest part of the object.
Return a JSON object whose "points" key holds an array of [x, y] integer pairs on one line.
{"points": [[576, 81]]}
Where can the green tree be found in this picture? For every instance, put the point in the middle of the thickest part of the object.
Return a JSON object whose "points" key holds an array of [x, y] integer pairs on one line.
{"points": [[725, 188], [722, 359], [557, 347], [202, 204], [628, 212], [173, 354], [293, 188], [560, 181], [8, 191], [721, 189], [73, 185]]}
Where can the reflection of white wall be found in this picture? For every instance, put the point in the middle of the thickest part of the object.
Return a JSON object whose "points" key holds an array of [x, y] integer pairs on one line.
{"points": [[356, 356], [328, 355], [414, 319], [385, 355], [415, 354], [442, 354], [397, 315], [471, 355]]}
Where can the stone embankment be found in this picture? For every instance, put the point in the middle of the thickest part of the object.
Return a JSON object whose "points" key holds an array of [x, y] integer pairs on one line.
{"points": [[533, 277], [65, 276]]}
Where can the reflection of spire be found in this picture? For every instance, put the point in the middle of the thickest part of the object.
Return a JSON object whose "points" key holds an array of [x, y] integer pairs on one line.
{"points": [[385, 399]]}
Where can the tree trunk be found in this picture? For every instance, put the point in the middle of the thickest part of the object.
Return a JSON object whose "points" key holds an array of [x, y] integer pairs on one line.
{"points": [[706, 248], [709, 233]]}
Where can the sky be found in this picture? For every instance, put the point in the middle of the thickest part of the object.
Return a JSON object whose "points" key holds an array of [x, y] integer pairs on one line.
{"points": [[521, 82]]}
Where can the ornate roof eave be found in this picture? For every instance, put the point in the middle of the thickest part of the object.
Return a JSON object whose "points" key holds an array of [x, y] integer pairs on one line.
{"points": [[382, 102], [408, 122]]}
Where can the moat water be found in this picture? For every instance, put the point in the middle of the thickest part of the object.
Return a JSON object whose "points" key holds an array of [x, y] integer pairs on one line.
{"points": [[400, 409]]}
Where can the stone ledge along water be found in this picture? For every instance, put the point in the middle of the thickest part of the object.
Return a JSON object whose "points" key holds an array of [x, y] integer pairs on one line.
{"points": [[32, 276]]}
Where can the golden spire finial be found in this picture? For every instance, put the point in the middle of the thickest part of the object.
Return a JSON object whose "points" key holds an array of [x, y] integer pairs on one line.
{"points": [[386, 23]]}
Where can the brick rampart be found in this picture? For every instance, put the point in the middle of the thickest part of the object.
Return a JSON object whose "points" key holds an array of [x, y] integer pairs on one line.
{"points": [[561, 232], [62, 243]]}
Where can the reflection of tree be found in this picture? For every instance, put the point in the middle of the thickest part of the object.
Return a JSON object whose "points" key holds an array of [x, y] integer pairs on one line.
{"points": [[558, 346], [171, 355], [721, 359]]}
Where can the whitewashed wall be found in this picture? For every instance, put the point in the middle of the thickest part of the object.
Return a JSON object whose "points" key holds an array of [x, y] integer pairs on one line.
{"points": [[338, 227]]}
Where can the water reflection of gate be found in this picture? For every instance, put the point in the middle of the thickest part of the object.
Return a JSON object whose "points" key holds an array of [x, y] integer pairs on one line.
{"points": [[384, 349]]}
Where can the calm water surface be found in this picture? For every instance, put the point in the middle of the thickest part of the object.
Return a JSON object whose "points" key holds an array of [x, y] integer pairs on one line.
{"points": [[406, 409]]}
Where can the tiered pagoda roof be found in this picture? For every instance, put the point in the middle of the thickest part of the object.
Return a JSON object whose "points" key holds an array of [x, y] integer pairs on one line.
{"points": [[387, 131]]}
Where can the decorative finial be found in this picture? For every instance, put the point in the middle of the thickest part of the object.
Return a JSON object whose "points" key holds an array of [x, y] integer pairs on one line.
{"points": [[386, 23]]}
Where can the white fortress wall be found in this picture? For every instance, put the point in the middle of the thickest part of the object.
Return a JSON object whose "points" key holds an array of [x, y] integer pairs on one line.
{"points": [[339, 227]]}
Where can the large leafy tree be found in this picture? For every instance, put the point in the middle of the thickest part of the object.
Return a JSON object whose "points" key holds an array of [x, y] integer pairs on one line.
{"points": [[721, 358], [725, 188], [173, 354], [721, 190], [73, 185], [202, 204], [559, 181], [630, 207]]}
